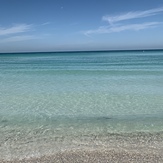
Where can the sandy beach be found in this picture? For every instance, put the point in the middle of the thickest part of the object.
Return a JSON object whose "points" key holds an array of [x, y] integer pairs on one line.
{"points": [[119, 148], [96, 155], [81, 82]]}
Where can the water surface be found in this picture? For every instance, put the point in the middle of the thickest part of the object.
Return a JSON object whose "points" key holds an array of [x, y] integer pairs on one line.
{"points": [[58, 97]]}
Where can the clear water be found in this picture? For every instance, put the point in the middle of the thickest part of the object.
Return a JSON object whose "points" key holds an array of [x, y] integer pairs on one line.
{"points": [[45, 96]]}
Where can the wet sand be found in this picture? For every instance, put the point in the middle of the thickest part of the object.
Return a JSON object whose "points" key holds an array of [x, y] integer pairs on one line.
{"points": [[96, 155]]}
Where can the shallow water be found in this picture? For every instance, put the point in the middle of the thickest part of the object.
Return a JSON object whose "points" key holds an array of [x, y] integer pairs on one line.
{"points": [[63, 96]]}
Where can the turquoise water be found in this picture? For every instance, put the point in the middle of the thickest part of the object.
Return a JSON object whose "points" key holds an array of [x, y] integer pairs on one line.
{"points": [[49, 95]]}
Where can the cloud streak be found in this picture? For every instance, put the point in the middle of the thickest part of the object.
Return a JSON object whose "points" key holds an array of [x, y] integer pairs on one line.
{"points": [[115, 25], [117, 28], [15, 29], [132, 15], [18, 38], [46, 23]]}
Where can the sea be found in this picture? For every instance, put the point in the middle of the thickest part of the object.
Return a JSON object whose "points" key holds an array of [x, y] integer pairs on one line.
{"points": [[55, 101]]}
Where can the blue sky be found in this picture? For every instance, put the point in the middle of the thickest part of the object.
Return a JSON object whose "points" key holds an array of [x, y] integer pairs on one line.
{"points": [[61, 25]]}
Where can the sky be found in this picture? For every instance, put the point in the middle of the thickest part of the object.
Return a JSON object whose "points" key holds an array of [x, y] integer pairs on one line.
{"points": [[74, 25]]}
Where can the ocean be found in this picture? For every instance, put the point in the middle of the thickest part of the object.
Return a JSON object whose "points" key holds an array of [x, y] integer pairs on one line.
{"points": [[70, 100]]}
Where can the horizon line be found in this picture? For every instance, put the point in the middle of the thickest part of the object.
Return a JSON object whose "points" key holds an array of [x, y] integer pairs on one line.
{"points": [[75, 51]]}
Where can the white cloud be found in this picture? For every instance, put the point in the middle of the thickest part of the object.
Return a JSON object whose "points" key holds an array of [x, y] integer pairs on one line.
{"points": [[119, 28], [113, 26], [132, 15], [135, 27], [18, 38], [46, 23], [15, 29]]}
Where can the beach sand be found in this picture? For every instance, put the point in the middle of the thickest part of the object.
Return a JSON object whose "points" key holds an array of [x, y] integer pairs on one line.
{"points": [[96, 155], [118, 148]]}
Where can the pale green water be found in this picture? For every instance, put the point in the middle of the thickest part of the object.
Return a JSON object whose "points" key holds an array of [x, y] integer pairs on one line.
{"points": [[49, 95]]}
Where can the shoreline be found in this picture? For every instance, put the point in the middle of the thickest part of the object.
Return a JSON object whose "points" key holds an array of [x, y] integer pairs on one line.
{"points": [[95, 155], [138, 147]]}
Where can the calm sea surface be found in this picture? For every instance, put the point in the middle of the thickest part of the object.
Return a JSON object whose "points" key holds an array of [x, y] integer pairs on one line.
{"points": [[64, 96]]}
